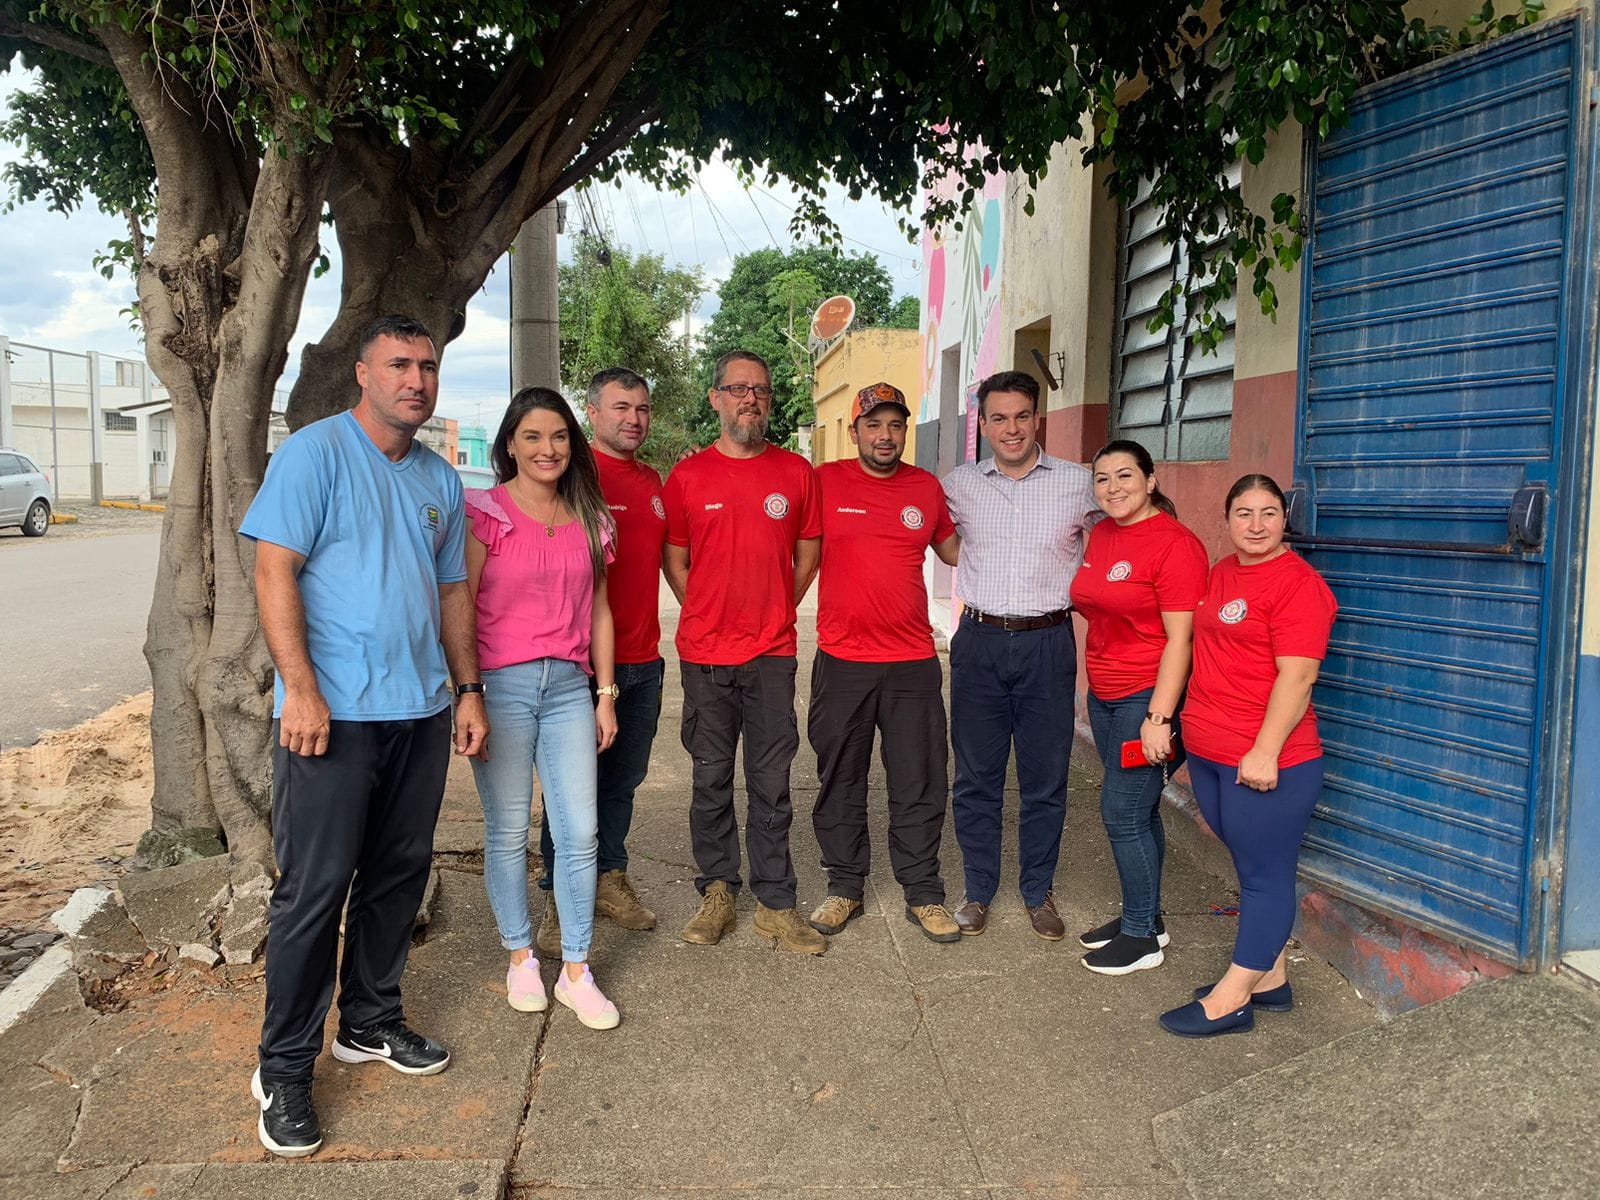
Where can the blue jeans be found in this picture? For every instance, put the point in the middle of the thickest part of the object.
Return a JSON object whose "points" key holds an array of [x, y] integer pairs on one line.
{"points": [[1130, 807], [540, 716], [1262, 831], [622, 767], [1010, 688]]}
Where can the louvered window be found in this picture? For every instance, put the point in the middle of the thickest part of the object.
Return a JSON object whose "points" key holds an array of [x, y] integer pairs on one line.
{"points": [[1170, 397]]}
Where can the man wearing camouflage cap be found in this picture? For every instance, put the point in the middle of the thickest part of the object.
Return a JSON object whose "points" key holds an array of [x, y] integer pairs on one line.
{"points": [[876, 668]]}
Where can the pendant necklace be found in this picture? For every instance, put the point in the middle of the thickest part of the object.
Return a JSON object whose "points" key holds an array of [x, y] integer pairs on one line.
{"points": [[555, 511]]}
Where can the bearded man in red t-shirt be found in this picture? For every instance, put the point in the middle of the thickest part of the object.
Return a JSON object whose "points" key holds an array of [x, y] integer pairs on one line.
{"points": [[876, 668], [743, 530]]}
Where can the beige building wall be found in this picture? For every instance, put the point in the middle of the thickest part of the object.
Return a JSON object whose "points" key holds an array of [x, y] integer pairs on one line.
{"points": [[859, 358], [1044, 303]]}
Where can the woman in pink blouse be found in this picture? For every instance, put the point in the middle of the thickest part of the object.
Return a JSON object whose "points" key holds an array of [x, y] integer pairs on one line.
{"points": [[537, 551]]}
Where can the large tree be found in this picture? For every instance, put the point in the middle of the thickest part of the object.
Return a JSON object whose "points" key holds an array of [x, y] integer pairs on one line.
{"points": [[622, 309], [429, 133]]}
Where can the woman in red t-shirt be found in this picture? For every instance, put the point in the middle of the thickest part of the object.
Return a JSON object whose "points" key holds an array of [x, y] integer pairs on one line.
{"points": [[1260, 635], [1141, 577]]}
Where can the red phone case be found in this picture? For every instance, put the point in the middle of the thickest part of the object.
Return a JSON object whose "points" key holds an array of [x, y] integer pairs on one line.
{"points": [[1133, 754]]}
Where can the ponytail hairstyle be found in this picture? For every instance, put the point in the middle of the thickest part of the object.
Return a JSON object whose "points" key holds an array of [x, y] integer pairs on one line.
{"points": [[1147, 468], [579, 485], [1248, 483]]}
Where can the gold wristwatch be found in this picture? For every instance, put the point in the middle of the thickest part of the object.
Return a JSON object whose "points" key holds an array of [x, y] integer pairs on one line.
{"points": [[611, 689]]}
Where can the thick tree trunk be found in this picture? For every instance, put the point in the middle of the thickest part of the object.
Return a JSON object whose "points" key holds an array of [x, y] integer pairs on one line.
{"points": [[213, 678], [396, 257], [219, 293]]}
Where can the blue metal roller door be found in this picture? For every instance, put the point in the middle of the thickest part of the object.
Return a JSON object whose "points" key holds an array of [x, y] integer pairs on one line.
{"points": [[1433, 394]]}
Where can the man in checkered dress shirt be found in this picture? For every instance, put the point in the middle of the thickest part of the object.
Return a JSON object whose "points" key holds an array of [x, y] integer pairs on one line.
{"points": [[1023, 517]]}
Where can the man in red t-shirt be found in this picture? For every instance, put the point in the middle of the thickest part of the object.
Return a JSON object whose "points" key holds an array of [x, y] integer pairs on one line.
{"points": [[619, 415], [742, 546], [876, 667]]}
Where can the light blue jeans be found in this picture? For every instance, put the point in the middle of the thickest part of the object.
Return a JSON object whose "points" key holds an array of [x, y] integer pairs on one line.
{"points": [[540, 718]]}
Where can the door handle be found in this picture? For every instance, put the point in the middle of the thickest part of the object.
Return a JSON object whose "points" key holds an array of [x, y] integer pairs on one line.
{"points": [[1525, 520]]}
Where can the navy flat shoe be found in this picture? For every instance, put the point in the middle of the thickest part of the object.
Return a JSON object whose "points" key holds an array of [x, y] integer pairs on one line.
{"points": [[1191, 1021], [1278, 999]]}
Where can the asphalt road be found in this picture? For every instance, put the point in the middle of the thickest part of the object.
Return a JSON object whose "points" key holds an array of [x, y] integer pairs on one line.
{"points": [[72, 614]]}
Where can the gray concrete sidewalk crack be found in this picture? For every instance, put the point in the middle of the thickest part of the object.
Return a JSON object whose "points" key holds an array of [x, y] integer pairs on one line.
{"points": [[933, 1042], [119, 1180], [536, 1069]]}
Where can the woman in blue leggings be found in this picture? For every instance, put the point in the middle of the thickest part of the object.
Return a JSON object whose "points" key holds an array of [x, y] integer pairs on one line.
{"points": [[1260, 635]]}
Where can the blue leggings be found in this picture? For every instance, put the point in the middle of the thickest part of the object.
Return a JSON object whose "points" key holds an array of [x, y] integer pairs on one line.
{"points": [[1262, 831]]}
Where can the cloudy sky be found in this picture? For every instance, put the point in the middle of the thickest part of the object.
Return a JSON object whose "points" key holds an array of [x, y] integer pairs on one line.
{"points": [[51, 295]]}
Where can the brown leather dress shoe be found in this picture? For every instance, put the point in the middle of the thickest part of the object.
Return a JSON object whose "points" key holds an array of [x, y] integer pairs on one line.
{"points": [[1046, 921], [972, 917]]}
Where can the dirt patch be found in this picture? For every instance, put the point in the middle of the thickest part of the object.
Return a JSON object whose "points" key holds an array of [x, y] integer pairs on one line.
{"points": [[72, 807]]}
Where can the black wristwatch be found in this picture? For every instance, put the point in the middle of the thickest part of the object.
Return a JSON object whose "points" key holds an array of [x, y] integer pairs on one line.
{"points": [[1156, 718], [469, 689]]}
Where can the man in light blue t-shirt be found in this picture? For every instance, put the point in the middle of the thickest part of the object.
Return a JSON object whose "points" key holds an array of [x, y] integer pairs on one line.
{"points": [[359, 534]]}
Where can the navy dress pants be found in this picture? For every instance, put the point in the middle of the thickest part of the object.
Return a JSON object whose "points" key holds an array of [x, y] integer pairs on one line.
{"points": [[1011, 689]]}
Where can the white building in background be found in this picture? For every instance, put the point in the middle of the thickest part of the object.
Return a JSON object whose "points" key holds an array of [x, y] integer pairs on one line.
{"points": [[97, 424], [102, 427]]}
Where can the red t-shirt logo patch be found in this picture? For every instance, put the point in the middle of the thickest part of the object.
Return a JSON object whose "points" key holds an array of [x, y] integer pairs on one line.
{"points": [[1119, 571], [1233, 612], [776, 506], [911, 517], [658, 508]]}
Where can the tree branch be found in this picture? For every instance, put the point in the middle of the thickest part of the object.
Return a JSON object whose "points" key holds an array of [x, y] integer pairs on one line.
{"points": [[54, 39], [603, 146], [580, 128], [564, 82]]}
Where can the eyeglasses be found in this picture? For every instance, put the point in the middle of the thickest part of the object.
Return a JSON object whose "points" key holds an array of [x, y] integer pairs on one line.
{"points": [[740, 390]]}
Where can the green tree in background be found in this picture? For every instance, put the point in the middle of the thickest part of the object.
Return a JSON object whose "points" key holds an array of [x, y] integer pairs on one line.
{"points": [[906, 313], [766, 306], [619, 309]]}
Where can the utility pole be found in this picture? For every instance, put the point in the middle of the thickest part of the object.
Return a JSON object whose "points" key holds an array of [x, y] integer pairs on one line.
{"points": [[535, 312]]}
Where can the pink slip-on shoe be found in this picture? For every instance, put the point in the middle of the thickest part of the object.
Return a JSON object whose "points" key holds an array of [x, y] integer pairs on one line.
{"points": [[584, 998], [524, 988]]}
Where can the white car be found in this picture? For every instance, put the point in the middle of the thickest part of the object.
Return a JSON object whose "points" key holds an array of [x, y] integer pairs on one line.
{"points": [[24, 494]]}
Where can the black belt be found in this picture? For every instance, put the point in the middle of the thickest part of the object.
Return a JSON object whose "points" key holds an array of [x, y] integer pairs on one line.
{"points": [[1019, 624]]}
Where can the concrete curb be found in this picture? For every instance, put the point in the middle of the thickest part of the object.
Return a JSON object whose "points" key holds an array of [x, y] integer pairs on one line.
{"points": [[55, 962], [133, 504], [61, 518]]}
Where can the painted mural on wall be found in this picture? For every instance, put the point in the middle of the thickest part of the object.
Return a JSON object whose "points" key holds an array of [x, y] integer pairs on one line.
{"points": [[961, 304]]}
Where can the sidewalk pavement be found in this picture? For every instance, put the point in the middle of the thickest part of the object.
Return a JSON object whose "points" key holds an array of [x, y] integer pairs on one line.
{"points": [[994, 1067]]}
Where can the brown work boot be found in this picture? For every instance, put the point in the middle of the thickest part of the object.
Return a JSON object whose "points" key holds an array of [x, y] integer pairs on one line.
{"points": [[715, 917], [935, 921], [1046, 921], [614, 897], [834, 913], [549, 939], [785, 927]]}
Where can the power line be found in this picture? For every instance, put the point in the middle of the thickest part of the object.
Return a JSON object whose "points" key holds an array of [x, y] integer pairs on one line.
{"points": [[717, 224], [644, 238], [843, 236], [666, 230], [763, 217]]}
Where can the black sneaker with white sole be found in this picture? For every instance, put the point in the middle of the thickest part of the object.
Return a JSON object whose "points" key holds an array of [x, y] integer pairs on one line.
{"points": [[1123, 955], [393, 1044], [1102, 934], [288, 1125]]}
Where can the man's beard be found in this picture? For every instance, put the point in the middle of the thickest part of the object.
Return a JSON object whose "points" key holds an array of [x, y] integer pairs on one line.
{"points": [[746, 433]]}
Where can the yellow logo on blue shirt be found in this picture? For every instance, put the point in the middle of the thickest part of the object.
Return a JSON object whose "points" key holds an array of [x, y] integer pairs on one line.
{"points": [[431, 515]]}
